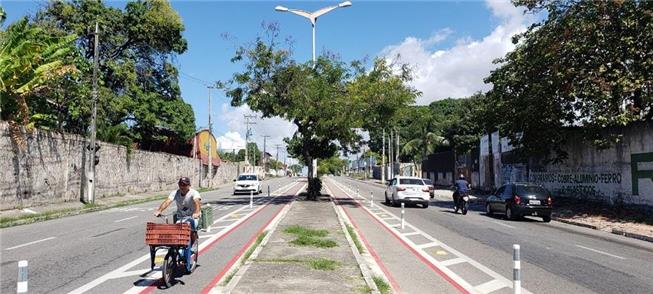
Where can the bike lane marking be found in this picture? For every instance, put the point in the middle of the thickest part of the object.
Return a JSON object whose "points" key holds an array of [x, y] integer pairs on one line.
{"points": [[368, 246], [119, 271], [230, 266], [149, 285], [30, 243], [433, 263]]}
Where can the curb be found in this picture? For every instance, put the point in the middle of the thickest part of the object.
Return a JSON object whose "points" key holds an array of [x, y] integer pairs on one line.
{"points": [[575, 223], [632, 235], [364, 267]]}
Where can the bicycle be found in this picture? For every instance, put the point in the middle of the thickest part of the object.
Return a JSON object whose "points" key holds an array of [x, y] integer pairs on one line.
{"points": [[175, 238]]}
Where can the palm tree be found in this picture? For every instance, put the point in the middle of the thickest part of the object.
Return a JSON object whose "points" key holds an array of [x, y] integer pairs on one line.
{"points": [[29, 58], [422, 147]]}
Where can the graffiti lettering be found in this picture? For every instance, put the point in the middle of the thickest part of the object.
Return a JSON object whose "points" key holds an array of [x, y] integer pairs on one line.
{"points": [[572, 178]]}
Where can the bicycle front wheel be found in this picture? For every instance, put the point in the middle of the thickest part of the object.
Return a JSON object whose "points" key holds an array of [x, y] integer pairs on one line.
{"points": [[193, 255], [168, 269]]}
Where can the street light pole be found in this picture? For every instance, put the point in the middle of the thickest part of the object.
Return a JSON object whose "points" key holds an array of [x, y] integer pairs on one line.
{"points": [[312, 17]]}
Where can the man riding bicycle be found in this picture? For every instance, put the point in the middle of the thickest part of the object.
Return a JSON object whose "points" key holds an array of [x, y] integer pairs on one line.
{"points": [[188, 210]]}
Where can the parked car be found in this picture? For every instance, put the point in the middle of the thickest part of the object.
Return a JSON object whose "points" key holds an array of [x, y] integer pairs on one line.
{"points": [[520, 199], [431, 187], [409, 190], [246, 183]]}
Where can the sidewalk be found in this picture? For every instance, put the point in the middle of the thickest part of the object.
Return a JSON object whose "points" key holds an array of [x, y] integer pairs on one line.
{"points": [[308, 252], [12, 217]]}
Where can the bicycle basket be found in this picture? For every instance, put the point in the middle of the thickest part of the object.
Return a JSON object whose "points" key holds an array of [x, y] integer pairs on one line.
{"points": [[167, 234]]}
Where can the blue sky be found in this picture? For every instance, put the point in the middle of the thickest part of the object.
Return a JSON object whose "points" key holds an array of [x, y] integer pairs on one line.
{"points": [[450, 44]]}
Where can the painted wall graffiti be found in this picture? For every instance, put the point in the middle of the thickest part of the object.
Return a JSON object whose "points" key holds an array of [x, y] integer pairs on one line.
{"points": [[579, 184], [640, 173]]}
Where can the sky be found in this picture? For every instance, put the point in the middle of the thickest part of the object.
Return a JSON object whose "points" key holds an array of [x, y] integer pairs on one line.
{"points": [[449, 44]]}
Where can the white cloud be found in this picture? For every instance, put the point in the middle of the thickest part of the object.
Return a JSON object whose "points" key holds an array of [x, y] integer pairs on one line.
{"points": [[234, 138], [459, 71]]}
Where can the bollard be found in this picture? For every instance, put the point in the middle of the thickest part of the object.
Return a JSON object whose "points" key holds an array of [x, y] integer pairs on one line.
{"points": [[21, 287], [371, 199], [516, 270], [268, 190], [251, 199], [402, 215], [358, 192]]}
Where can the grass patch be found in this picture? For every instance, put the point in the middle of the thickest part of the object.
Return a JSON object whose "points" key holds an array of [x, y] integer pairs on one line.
{"points": [[251, 249], [354, 237], [302, 231], [282, 260], [229, 278], [382, 285], [323, 264], [315, 242], [58, 213]]}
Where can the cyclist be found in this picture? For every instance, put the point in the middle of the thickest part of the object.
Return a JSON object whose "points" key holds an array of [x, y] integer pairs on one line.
{"points": [[188, 202]]}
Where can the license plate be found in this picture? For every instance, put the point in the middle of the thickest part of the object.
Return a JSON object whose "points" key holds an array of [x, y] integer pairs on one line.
{"points": [[534, 202]]}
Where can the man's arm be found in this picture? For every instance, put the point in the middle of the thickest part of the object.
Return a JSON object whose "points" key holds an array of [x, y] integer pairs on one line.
{"points": [[162, 207], [198, 210]]}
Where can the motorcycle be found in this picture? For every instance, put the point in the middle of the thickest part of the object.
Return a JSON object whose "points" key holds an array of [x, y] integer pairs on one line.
{"points": [[463, 204]]}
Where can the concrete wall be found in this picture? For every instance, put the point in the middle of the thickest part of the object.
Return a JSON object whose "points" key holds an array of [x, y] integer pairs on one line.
{"points": [[622, 173], [49, 169]]}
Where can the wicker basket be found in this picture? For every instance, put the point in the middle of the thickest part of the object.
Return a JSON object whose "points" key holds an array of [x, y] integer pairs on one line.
{"points": [[167, 234]]}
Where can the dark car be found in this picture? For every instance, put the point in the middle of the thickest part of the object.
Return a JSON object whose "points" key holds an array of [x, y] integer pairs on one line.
{"points": [[431, 187], [520, 199]]}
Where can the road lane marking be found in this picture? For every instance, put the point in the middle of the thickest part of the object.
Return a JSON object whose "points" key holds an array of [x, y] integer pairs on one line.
{"points": [[411, 234], [490, 286], [601, 252], [427, 245], [157, 274], [30, 243], [431, 262], [124, 219], [502, 224], [450, 262]]}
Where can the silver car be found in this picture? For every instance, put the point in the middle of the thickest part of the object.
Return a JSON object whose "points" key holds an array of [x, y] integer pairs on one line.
{"points": [[409, 190]]}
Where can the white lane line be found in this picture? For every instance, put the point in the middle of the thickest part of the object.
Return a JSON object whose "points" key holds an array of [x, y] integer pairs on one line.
{"points": [[490, 286], [30, 243], [502, 224], [427, 245], [124, 219], [599, 251], [452, 261], [206, 236], [129, 273], [411, 233]]}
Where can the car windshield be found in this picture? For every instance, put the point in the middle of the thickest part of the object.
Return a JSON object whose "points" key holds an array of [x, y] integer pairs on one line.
{"points": [[427, 182], [247, 178], [531, 190], [410, 182]]}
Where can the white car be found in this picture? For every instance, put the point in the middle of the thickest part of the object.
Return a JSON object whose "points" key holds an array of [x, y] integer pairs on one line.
{"points": [[409, 190], [246, 183]]}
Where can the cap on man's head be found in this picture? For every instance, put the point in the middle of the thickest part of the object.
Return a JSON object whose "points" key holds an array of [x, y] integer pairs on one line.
{"points": [[184, 180]]}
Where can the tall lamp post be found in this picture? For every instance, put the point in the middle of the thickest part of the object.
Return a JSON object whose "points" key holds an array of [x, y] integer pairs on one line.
{"points": [[312, 17]]}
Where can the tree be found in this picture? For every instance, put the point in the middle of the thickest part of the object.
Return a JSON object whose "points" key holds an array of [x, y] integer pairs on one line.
{"points": [[138, 83], [588, 64], [325, 100], [332, 165], [29, 59]]}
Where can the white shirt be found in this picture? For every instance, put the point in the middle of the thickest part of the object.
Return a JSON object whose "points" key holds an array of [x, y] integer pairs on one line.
{"points": [[185, 203]]}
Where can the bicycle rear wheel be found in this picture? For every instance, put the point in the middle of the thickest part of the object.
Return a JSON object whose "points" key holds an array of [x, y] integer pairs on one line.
{"points": [[194, 255]]}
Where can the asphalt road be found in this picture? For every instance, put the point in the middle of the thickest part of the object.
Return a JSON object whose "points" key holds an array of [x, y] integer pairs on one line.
{"points": [[556, 257], [68, 253]]}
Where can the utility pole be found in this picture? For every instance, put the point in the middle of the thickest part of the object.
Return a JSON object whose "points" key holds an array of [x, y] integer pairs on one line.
{"points": [[398, 150], [248, 123], [90, 164], [277, 146], [383, 159], [391, 156], [210, 163], [265, 160]]}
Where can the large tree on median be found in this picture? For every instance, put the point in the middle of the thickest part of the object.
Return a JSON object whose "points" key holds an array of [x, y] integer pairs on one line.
{"points": [[326, 100], [587, 64]]}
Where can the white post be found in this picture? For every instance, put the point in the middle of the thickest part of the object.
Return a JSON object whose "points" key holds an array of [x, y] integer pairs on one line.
{"points": [[251, 199], [268, 190], [313, 25], [402, 215], [21, 287], [371, 199], [516, 269], [358, 194]]}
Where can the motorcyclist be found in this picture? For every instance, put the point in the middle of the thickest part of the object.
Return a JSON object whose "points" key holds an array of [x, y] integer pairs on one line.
{"points": [[461, 188]]}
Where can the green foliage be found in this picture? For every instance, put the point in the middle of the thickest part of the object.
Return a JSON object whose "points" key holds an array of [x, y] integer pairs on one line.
{"points": [[30, 58], [138, 84], [310, 237], [332, 165], [588, 64], [325, 99], [323, 264], [303, 231], [354, 238], [382, 285]]}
